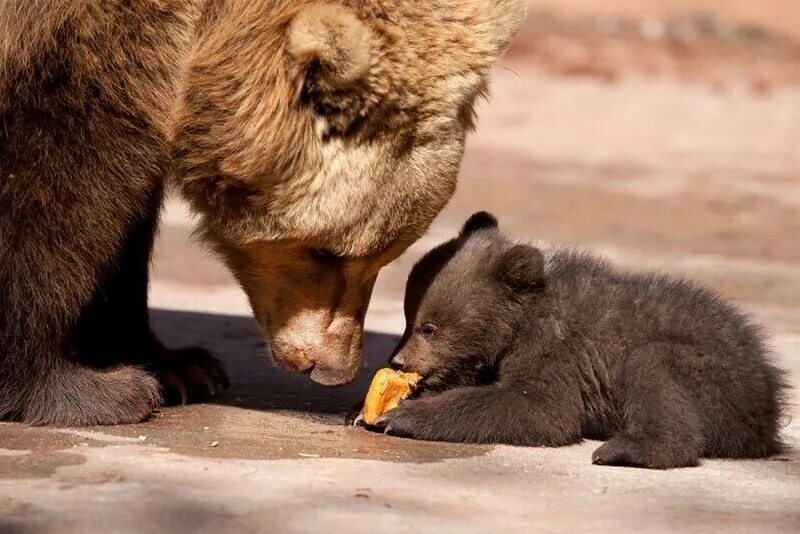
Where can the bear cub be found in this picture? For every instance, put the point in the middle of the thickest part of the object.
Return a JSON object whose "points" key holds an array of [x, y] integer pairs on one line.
{"points": [[531, 346]]}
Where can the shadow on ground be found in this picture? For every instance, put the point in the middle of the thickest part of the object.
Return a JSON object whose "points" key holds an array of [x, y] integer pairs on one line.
{"points": [[255, 381], [267, 413]]}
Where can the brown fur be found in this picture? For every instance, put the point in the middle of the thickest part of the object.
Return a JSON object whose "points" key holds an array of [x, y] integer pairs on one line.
{"points": [[315, 140], [546, 346], [366, 155]]}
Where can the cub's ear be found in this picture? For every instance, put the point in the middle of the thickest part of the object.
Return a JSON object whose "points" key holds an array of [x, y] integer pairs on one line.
{"points": [[331, 39], [521, 268], [481, 220]]}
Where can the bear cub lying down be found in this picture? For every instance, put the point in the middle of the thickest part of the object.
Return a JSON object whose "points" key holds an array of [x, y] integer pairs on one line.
{"points": [[532, 346]]}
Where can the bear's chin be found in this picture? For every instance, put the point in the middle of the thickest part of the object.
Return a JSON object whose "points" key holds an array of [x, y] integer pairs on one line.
{"points": [[332, 377]]}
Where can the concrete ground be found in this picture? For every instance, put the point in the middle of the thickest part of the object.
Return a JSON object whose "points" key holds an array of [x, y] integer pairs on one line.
{"points": [[654, 173]]}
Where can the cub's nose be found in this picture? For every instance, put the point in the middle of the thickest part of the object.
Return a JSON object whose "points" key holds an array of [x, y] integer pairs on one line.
{"points": [[397, 361]]}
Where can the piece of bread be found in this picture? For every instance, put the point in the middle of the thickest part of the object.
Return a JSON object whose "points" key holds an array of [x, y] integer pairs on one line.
{"points": [[388, 388]]}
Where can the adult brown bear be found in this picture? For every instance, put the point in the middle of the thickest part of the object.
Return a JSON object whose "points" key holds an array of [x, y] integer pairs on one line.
{"points": [[315, 140]]}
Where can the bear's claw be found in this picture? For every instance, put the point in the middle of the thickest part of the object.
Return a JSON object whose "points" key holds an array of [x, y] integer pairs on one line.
{"points": [[190, 375]]}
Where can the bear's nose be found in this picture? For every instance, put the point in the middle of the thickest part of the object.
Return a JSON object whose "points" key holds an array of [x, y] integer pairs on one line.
{"points": [[398, 362]]}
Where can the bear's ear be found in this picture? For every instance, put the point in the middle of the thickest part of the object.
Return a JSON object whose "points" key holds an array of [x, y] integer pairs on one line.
{"points": [[333, 41], [521, 268], [481, 220], [497, 21]]}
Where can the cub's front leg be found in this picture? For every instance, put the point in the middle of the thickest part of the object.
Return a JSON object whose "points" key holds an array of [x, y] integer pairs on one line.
{"points": [[544, 410]]}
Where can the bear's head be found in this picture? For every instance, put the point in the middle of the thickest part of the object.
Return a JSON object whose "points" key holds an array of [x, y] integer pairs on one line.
{"points": [[317, 141], [465, 303]]}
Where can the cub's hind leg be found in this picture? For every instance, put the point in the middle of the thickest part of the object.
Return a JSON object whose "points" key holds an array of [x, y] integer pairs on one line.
{"points": [[661, 426]]}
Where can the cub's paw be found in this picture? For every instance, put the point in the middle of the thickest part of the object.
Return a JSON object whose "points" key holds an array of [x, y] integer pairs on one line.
{"points": [[623, 451], [408, 420], [189, 375]]}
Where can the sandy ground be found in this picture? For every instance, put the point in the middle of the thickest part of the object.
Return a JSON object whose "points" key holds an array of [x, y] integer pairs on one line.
{"points": [[656, 173]]}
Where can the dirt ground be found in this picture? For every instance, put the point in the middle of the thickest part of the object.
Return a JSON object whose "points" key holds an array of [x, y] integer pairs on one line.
{"points": [[671, 153]]}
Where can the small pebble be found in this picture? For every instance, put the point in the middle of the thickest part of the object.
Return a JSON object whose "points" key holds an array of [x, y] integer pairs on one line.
{"points": [[214, 443]]}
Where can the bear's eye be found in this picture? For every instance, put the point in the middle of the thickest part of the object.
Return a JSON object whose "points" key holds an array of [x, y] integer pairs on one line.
{"points": [[427, 329]]}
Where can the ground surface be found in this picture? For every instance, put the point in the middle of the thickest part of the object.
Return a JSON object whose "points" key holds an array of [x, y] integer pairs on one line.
{"points": [[667, 172]]}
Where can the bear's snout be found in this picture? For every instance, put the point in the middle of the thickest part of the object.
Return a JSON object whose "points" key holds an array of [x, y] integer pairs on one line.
{"points": [[329, 365], [330, 355]]}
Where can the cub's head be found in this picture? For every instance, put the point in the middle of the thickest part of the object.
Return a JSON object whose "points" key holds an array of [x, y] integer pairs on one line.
{"points": [[465, 301], [317, 141]]}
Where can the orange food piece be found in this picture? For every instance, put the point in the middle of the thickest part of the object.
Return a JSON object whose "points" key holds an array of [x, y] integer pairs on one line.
{"points": [[388, 388]]}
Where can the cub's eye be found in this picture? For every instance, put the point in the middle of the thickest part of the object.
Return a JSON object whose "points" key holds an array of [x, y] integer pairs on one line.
{"points": [[427, 329]]}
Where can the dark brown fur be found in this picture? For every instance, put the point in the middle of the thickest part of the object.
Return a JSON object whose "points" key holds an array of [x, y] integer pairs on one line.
{"points": [[82, 164], [543, 347]]}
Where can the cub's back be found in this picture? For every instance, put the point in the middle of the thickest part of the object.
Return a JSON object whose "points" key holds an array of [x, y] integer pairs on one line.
{"points": [[642, 307]]}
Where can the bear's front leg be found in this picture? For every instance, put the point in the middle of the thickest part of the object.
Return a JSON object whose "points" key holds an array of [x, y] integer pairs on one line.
{"points": [[515, 415], [115, 328]]}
